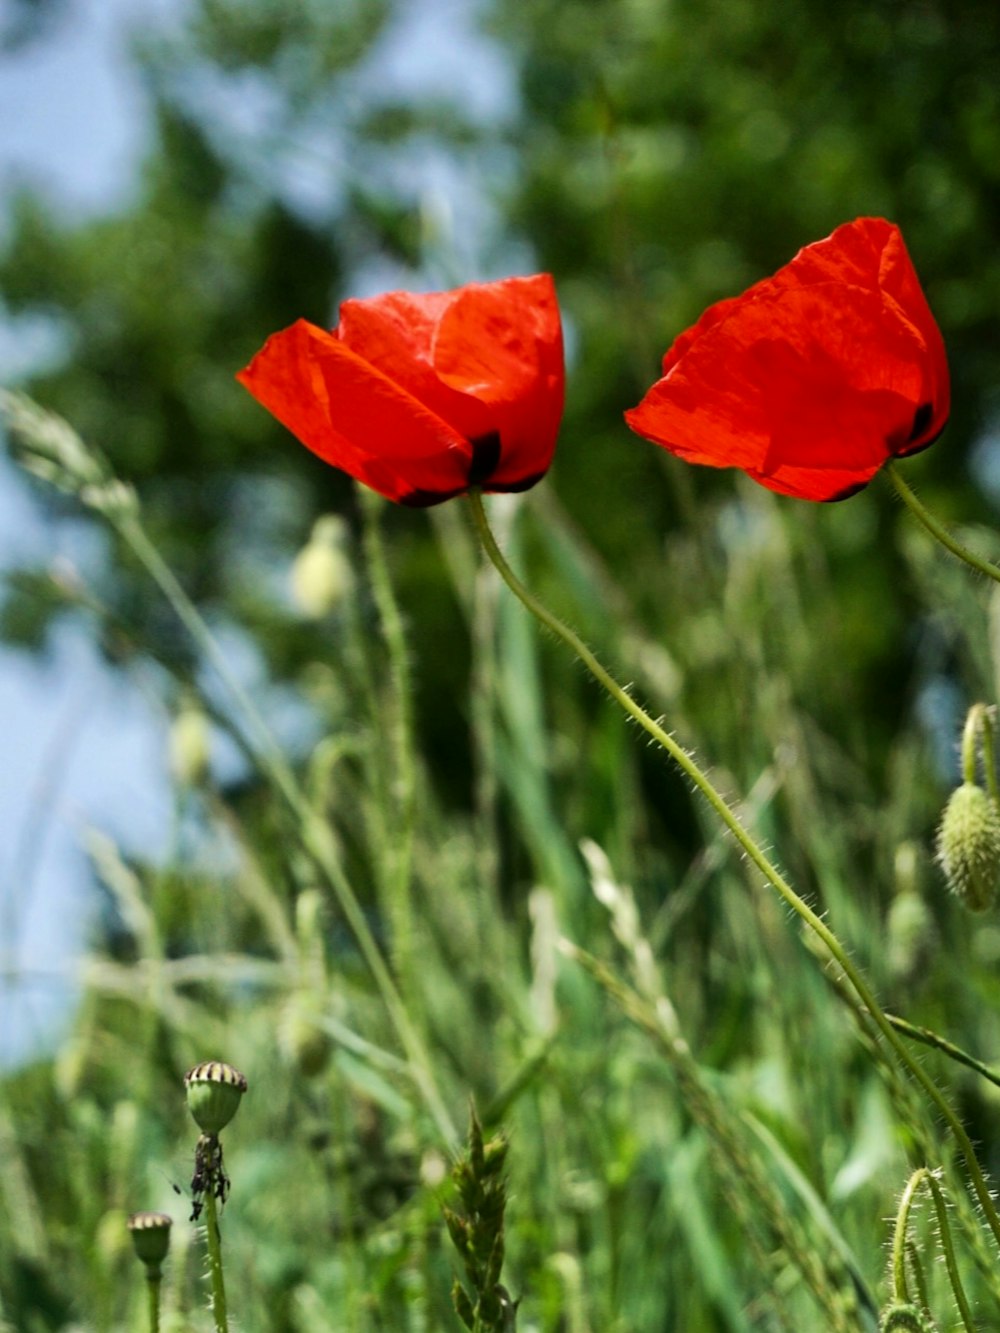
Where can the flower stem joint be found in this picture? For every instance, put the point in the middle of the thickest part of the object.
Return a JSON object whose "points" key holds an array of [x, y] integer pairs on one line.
{"points": [[150, 1234], [214, 1091]]}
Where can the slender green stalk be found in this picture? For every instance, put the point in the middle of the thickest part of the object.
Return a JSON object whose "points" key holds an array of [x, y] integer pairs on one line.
{"points": [[729, 818], [937, 530], [153, 1288], [219, 1311], [944, 1233], [313, 830], [953, 1052], [402, 785]]}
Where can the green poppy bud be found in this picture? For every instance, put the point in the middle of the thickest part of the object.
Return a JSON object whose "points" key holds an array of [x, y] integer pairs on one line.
{"points": [[305, 1043], [214, 1090], [902, 1318], [968, 846], [150, 1234], [189, 745]]}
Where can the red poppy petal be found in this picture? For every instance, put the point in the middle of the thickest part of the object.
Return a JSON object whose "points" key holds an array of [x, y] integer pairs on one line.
{"points": [[871, 252], [395, 332], [811, 379], [487, 358], [501, 342], [811, 382], [354, 417]]}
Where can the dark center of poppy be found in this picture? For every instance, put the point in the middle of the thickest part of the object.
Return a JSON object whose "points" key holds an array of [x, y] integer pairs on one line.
{"points": [[485, 457]]}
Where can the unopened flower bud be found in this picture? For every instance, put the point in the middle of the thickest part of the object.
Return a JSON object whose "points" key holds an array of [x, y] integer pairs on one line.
{"points": [[321, 574], [150, 1234], [909, 934], [968, 846], [214, 1092], [189, 745], [305, 1043], [904, 1318]]}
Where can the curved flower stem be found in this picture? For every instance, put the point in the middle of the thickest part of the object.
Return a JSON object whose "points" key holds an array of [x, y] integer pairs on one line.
{"points": [[900, 1290], [729, 818], [219, 1311], [936, 529], [979, 722]]}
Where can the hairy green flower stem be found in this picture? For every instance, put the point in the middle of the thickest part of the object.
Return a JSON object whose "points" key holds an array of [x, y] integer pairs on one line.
{"points": [[937, 530], [900, 1243], [978, 721], [750, 846], [931, 1038], [214, 1240]]}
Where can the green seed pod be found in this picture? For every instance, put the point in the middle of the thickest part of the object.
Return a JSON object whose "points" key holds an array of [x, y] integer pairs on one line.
{"points": [[968, 846], [214, 1090], [150, 1234]]}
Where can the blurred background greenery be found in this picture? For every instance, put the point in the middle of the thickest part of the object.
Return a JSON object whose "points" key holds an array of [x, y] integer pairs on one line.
{"points": [[654, 157]]}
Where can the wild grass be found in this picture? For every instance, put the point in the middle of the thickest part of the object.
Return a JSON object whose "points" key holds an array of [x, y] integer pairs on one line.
{"points": [[704, 1131]]}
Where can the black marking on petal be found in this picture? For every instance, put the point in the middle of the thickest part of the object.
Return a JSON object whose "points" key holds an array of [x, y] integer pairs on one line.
{"points": [[525, 484], [921, 420], [846, 493], [485, 457], [911, 449], [424, 499]]}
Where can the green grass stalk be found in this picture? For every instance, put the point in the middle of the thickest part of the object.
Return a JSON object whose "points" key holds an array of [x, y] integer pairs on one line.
{"points": [[402, 785], [313, 831]]}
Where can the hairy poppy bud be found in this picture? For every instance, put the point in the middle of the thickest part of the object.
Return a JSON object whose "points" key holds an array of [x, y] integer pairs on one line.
{"points": [[214, 1091], [968, 846], [322, 575], [150, 1234], [901, 1318]]}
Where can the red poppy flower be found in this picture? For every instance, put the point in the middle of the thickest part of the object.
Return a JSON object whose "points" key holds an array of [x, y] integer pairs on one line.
{"points": [[812, 379], [422, 396]]}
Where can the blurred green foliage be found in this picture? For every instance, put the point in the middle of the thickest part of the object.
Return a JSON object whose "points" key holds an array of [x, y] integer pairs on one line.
{"points": [[662, 156]]}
